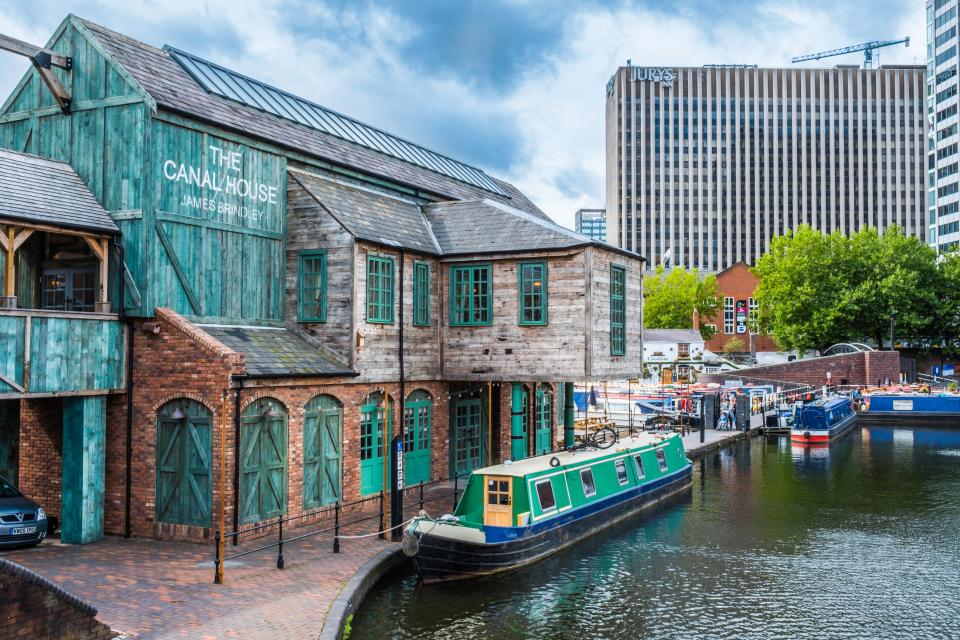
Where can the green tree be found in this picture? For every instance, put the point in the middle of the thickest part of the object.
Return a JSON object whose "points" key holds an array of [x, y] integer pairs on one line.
{"points": [[816, 290], [944, 329], [734, 345], [670, 298]]}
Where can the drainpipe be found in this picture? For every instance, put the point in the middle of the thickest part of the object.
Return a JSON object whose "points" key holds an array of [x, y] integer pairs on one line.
{"points": [[396, 459], [128, 480], [236, 455], [568, 418]]}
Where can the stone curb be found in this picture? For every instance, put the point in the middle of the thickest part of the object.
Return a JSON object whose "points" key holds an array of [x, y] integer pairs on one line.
{"points": [[356, 589]]}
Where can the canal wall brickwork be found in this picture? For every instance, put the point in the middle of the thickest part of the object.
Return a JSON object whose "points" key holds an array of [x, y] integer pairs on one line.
{"points": [[33, 607], [862, 368]]}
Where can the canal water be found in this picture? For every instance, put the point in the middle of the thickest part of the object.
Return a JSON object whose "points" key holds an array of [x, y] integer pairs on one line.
{"points": [[858, 540]]}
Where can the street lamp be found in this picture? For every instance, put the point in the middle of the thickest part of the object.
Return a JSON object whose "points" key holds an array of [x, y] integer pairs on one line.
{"points": [[893, 324]]}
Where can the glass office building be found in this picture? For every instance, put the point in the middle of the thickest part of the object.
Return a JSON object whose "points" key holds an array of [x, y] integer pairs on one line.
{"points": [[705, 165], [942, 139], [592, 223]]}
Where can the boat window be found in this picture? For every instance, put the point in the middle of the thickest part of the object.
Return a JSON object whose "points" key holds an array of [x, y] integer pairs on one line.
{"points": [[589, 486], [545, 494], [498, 492], [662, 459], [621, 472], [639, 466]]}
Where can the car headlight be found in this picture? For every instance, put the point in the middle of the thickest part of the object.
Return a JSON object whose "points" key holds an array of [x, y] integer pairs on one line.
{"points": [[41, 514]]}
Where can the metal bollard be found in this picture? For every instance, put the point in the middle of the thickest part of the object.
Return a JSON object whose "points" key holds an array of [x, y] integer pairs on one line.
{"points": [[456, 479], [280, 546], [336, 528], [383, 526], [217, 577], [703, 426], [421, 495]]}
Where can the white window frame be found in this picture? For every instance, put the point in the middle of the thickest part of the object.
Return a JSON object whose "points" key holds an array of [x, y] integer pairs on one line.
{"points": [[729, 316], [621, 465], [536, 488], [583, 484]]}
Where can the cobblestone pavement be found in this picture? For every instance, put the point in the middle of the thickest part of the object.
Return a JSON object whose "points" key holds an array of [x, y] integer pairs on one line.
{"points": [[154, 590]]}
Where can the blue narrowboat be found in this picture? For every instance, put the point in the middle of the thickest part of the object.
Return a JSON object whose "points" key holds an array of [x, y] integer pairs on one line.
{"points": [[822, 421]]}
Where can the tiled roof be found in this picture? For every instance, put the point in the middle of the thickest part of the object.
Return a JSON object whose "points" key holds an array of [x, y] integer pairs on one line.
{"points": [[370, 215], [43, 191], [174, 89], [671, 335], [488, 226], [272, 351]]}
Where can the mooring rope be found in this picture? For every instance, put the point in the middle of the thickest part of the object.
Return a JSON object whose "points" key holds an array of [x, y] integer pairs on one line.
{"points": [[376, 533]]}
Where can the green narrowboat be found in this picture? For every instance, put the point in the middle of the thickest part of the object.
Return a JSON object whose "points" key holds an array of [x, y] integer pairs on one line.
{"points": [[513, 514]]}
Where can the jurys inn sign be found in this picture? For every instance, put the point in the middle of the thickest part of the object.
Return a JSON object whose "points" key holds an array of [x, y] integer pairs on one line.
{"points": [[662, 76]]}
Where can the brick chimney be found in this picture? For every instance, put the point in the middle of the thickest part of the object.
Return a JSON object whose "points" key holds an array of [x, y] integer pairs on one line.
{"points": [[696, 319]]}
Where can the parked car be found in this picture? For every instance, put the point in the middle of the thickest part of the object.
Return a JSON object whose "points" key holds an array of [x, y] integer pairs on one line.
{"points": [[22, 521]]}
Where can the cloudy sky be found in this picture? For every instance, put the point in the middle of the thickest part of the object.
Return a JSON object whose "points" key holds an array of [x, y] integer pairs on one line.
{"points": [[513, 86]]}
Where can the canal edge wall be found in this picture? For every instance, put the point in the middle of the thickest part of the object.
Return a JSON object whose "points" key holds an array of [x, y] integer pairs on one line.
{"points": [[698, 451], [355, 591]]}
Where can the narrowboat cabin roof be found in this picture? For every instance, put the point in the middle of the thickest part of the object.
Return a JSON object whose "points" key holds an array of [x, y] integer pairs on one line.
{"points": [[523, 468]]}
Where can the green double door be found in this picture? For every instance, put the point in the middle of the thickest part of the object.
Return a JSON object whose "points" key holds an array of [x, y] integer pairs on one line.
{"points": [[468, 434], [184, 470], [543, 421], [375, 433], [263, 461], [322, 456], [416, 438]]}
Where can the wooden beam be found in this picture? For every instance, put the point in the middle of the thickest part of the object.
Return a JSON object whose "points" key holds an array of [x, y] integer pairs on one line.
{"points": [[21, 237], [32, 51], [104, 272], [8, 289], [53, 229], [95, 247], [59, 92], [13, 383], [3, 241]]}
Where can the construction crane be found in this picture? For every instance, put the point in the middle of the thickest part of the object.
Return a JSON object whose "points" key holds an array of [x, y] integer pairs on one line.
{"points": [[866, 47]]}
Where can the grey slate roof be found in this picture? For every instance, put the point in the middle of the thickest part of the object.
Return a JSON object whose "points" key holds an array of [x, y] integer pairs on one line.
{"points": [[369, 215], [671, 335], [173, 88], [43, 191], [488, 226], [278, 352]]}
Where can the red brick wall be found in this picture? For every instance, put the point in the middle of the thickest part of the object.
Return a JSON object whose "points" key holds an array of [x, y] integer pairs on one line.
{"points": [[739, 283], [115, 482], [35, 608], [856, 368], [41, 452]]}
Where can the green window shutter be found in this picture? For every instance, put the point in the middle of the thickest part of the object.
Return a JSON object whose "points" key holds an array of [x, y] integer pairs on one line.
{"points": [[471, 295], [380, 279], [313, 286], [421, 294], [618, 310], [532, 292]]}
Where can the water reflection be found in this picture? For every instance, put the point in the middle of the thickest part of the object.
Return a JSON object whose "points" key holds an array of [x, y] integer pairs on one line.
{"points": [[858, 539]]}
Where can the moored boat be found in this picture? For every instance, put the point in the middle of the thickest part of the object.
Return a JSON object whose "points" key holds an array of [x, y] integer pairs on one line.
{"points": [[823, 420], [514, 514]]}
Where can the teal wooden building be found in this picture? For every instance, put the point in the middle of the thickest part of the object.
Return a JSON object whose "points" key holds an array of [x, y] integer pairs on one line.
{"points": [[288, 281]]}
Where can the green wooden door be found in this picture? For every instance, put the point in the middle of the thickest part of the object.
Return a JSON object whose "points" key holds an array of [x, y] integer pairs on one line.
{"points": [[322, 460], [416, 438], [184, 470], [372, 443], [263, 461], [543, 422], [467, 436]]}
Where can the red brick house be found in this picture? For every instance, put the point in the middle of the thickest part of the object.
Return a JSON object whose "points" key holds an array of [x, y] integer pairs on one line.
{"points": [[735, 287]]}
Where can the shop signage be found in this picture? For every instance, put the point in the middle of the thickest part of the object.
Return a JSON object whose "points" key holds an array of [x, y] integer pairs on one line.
{"points": [[663, 77], [741, 316], [903, 405], [217, 188]]}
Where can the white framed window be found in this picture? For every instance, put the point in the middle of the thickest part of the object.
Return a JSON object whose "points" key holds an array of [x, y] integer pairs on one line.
{"points": [[639, 464], [622, 477], [728, 315], [753, 314], [662, 459], [589, 485], [548, 501]]}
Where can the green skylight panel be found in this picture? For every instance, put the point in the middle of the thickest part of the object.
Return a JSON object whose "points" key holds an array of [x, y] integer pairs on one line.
{"points": [[253, 93]]}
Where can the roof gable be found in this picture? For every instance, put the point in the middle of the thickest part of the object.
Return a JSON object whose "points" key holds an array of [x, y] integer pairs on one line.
{"points": [[40, 191]]}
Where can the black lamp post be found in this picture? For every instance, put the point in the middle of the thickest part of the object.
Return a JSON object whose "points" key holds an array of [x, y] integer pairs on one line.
{"points": [[893, 324]]}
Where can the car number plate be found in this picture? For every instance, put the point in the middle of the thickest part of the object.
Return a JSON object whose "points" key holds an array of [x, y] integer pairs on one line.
{"points": [[19, 531]]}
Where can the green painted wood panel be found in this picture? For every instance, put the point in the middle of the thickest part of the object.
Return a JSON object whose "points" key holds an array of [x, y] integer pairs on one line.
{"points": [[322, 459], [53, 137], [184, 468], [263, 461], [84, 454], [11, 351], [71, 354], [217, 249]]}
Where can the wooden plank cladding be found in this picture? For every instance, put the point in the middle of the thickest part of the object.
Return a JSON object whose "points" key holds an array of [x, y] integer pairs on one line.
{"points": [[47, 353]]}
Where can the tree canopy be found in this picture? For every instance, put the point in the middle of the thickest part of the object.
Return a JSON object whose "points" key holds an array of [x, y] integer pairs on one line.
{"points": [[816, 290], [670, 297]]}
